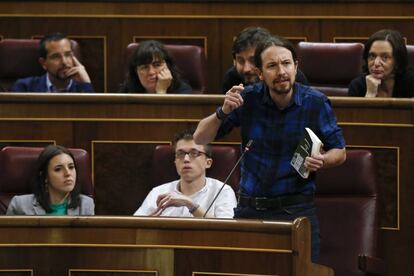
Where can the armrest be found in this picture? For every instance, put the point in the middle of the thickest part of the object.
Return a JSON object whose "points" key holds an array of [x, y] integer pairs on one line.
{"points": [[371, 265]]}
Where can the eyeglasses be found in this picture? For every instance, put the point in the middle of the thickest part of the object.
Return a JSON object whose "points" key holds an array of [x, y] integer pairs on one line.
{"points": [[180, 154]]}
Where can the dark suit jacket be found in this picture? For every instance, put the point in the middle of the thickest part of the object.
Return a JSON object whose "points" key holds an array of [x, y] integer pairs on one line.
{"points": [[38, 84]]}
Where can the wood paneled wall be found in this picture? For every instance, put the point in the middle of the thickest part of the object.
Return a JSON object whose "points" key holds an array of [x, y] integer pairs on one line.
{"points": [[104, 29]]}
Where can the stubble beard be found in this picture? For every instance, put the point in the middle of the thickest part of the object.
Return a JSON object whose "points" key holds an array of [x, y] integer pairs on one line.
{"points": [[248, 79], [60, 74], [281, 90]]}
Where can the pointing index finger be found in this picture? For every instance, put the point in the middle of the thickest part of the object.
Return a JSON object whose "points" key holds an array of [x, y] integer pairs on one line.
{"points": [[237, 88], [75, 61]]}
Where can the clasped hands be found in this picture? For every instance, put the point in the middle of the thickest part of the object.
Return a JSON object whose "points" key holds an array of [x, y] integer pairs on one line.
{"points": [[171, 199]]}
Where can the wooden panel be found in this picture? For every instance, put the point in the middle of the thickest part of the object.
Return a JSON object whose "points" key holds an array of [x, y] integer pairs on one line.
{"points": [[122, 173], [160, 246], [190, 8], [96, 272], [202, 263], [16, 272], [100, 261]]}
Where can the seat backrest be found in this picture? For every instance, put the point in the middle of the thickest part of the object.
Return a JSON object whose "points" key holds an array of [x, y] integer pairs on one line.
{"points": [[19, 58], [347, 206], [18, 165], [330, 65], [224, 159], [410, 52], [190, 60]]}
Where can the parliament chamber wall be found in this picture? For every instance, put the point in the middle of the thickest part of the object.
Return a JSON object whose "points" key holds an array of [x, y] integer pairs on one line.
{"points": [[105, 28]]}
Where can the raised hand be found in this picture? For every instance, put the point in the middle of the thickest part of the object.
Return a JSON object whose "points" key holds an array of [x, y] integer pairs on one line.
{"points": [[78, 72], [233, 99], [164, 80], [372, 85]]}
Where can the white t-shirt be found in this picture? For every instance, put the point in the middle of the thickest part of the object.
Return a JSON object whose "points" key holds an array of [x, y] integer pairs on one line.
{"points": [[222, 207]]}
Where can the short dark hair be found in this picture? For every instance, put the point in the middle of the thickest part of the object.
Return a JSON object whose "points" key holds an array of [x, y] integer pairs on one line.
{"points": [[187, 135], [49, 38], [146, 52], [39, 186], [399, 50], [248, 38], [273, 40]]}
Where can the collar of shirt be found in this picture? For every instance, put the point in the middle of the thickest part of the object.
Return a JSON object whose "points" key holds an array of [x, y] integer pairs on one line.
{"points": [[51, 87], [202, 190], [296, 97]]}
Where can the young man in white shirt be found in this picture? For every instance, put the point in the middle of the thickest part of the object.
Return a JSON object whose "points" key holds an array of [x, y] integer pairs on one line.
{"points": [[192, 194]]}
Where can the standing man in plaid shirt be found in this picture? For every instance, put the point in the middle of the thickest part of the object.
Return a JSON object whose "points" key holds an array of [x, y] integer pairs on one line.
{"points": [[274, 114]]}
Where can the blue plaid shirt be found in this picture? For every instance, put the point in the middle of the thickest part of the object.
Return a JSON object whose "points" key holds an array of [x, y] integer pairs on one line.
{"points": [[266, 169]]}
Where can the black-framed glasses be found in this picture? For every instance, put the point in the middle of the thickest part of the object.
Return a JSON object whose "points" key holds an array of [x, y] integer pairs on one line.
{"points": [[180, 154]]}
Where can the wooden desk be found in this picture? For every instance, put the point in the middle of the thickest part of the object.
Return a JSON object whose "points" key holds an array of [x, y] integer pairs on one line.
{"points": [[157, 246], [120, 132]]}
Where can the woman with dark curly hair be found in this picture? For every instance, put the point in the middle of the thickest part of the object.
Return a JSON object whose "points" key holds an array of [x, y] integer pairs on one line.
{"points": [[56, 189], [386, 70], [152, 70]]}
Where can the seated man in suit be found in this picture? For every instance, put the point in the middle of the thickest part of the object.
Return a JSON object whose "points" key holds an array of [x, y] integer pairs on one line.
{"points": [[193, 193], [64, 72], [244, 71]]}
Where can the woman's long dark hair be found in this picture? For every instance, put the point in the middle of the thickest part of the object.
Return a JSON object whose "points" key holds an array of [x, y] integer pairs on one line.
{"points": [[399, 50], [146, 53], [39, 186]]}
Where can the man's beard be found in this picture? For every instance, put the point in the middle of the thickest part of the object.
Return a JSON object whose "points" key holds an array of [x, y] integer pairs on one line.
{"points": [[60, 75], [281, 90], [249, 78]]}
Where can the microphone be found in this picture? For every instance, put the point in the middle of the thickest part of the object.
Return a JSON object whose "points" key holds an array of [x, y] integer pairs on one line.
{"points": [[246, 149]]}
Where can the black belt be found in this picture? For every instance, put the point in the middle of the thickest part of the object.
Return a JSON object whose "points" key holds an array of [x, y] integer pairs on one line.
{"points": [[266, 203]]}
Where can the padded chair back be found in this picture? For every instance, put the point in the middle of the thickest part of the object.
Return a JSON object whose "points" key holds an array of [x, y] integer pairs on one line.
{"points": [[330, 67], [19, 58], [410, 52], [347, 207], [190, 60], [18, 165], [224, 158]]}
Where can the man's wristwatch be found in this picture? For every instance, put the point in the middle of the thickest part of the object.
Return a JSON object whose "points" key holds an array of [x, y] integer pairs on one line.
{"points": [[220, 114], [194, 208]]}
